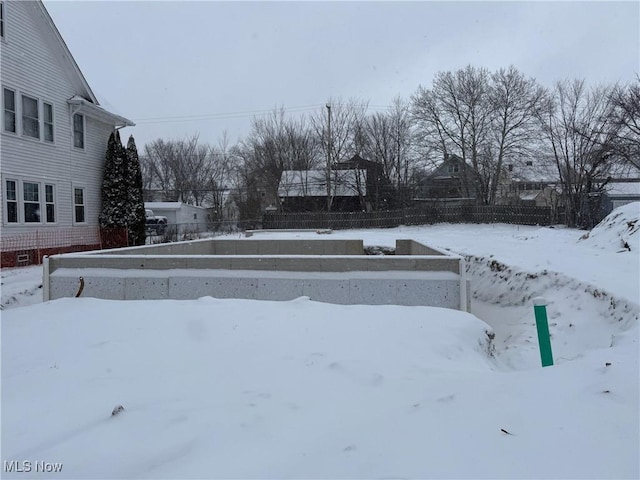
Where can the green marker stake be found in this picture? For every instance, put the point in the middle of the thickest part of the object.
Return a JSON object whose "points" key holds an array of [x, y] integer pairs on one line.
{"points": [[544, 340]]}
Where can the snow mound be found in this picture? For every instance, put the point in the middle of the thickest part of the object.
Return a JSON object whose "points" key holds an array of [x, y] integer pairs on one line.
{"points": [[619, 231]]}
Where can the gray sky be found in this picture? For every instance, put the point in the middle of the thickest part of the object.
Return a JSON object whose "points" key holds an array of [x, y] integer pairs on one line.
{"points": [[179, 68]]}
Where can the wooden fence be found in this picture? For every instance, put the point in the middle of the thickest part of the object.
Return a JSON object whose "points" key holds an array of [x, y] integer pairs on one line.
{"points": [[521, 215]]}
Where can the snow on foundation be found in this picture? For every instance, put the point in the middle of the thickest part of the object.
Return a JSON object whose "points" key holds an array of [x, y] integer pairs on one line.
{"points": [[247, 389], [333, 416]]}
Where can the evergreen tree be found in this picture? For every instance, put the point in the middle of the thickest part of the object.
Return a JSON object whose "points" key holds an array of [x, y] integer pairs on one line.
{"points": [[137, 219], [115, 210]]}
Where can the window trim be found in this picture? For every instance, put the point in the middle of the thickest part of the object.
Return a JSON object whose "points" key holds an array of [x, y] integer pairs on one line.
{"points": [[3, 23], [26, 202], [74, 131], [83, 204], [21, 202], [24, 96], [5, 199], [4, 111], [53, 202], [19, 120], [45, 123]]}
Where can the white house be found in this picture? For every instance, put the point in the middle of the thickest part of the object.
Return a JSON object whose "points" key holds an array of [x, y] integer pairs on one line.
{"points": [[185, 218], [53, 136]]}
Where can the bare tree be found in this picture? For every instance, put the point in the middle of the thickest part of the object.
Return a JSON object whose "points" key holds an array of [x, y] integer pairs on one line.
{"points": [[274, 145], [580, 127], [221, 165], [514, 102], [626, 104], [338, 140], [456, 117], [389, 142], [180, 169], [485, 119]]}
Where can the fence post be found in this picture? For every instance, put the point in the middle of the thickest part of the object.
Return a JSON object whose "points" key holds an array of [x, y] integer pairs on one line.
{"points": [[542, 326], [37, 262], [45, 279]]}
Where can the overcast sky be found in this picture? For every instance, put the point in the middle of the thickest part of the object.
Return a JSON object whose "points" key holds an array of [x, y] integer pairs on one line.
{"points": [[179, 68]]}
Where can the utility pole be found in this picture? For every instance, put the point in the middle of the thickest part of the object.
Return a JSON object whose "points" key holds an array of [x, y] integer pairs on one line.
{"points": [[328, 172]]}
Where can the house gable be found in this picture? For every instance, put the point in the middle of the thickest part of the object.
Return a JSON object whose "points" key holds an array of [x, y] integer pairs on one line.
{"points": [[54, 181]]}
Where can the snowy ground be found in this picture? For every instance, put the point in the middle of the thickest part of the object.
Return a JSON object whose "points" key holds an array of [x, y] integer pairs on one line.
{"points": [[300, 389]]}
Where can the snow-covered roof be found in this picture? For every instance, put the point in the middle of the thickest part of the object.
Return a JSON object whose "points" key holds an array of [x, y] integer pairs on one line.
{"points": [[623, 188], [529, 195], [168, 205], [313, 183], [91, 109], [537, 171]]}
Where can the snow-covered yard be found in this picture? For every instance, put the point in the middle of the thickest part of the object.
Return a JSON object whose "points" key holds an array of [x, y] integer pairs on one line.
{"points": [[217, 388]]}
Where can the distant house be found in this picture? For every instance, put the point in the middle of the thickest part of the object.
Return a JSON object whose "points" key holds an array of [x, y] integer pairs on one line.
{"points": [[453, 182], [181, 217], [379, 191], [357, 185], [622, 187], [53, 136], [530, 182], [306, 190], [623, 192]]}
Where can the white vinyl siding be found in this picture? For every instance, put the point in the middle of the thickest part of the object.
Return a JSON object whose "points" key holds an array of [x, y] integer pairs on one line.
{"points": [[35, 64], [30, 117], [9, 110]]}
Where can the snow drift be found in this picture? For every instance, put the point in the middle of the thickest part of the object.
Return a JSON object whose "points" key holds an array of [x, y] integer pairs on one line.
{"points": [[619, 231]]}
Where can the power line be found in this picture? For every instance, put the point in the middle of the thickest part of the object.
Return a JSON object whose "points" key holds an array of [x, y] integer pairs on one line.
{"points": [[246, 114]]}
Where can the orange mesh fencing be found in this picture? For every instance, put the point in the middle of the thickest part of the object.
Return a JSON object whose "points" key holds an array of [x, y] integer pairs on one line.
{"points": [[29, 248]]}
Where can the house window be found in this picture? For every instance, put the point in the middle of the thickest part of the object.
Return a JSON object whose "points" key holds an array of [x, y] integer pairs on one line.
{"points": [[78, 130], [78, 205], [30, 118], [529, 163], [31, 204], [50, 205], [9, 103], [48, 121], [1, 19], [511, 167], [11, 195]]}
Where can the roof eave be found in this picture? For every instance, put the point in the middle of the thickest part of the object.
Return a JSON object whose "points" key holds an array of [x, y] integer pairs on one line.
{"points": [[95, 111]]}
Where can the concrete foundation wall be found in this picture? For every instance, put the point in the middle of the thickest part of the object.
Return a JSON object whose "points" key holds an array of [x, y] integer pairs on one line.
{"points": [[411, 247], [335, 271], [441, 289], [245, 247]]}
